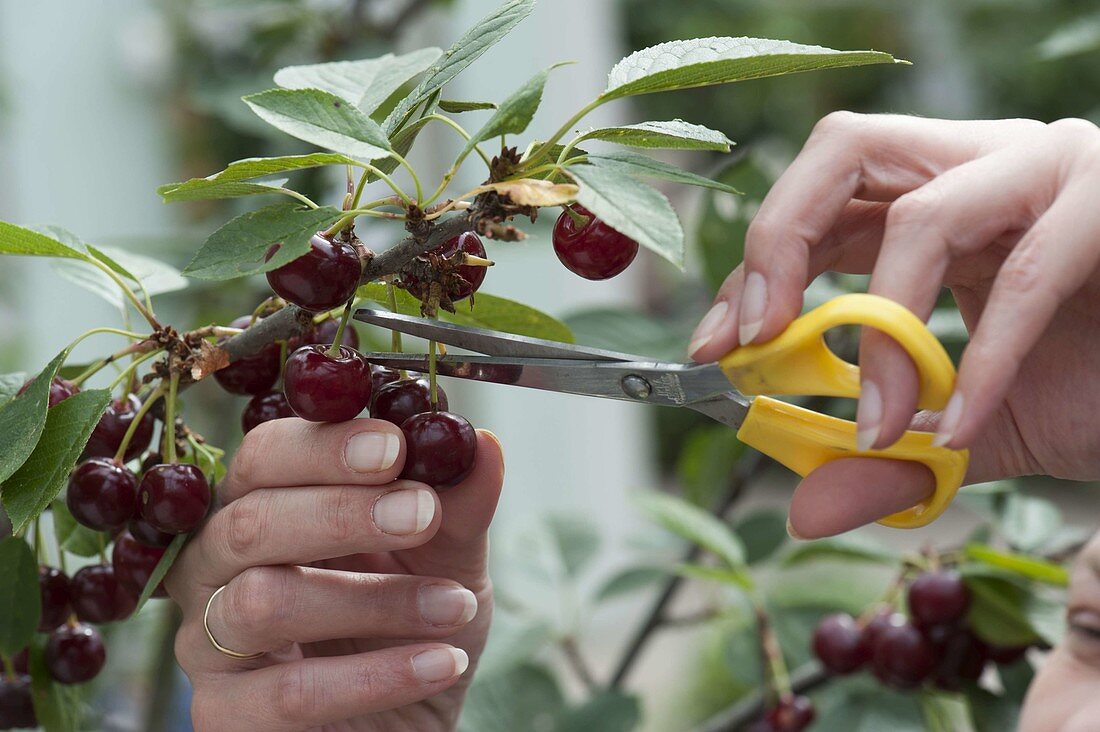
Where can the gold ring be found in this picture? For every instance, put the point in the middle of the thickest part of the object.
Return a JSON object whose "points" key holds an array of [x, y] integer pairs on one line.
{"points": [[218, 646]]}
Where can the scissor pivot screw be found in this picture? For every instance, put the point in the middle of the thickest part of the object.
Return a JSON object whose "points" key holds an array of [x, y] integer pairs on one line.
{"points": [[636, 387]]}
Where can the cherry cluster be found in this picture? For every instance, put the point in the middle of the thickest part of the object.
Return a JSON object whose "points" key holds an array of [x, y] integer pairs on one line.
{"points": [[933, 645], [326, 379], [141, 516]]}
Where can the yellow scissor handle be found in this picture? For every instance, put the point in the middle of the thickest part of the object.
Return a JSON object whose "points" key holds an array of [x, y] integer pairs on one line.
{"points": [[798, 362]]}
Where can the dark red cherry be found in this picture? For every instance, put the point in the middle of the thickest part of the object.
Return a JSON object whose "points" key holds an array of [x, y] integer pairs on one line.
{"points": [[265, 408], [594, 251], [254, 374], [60, 390], [440, 448], [150, 461], [962, 658], [380, 376], [1006, 655], [53, 586], [111, 429], [903, 658], [938, 598], [75, 654], [147, 534], [324, 388], [881, 620], [102, 494], [838, 643], [134, 562], [402, 399], [322, 279], [469, 277], [763, 724], [793, 715], [174, 498], [98, 596], [324, 333], [16, 703]]}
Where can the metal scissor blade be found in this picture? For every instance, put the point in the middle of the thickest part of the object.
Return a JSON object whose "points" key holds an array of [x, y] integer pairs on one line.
{"points": [[487, 341], [649, 382]]}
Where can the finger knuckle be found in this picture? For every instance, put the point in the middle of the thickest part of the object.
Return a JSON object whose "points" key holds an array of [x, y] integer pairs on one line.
{"points": [[916, 208], [344, 515], [763, 230], [256, 600], [298, 694], [1076, 131], [244, 526], [1022, 272], [840, 122], [256, 449], [188, 640]]}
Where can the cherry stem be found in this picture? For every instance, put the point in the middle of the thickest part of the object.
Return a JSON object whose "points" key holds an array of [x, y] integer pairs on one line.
{"points": [[579, 219], [132, 367], [9, 667], [146, 308], [170, 417], [38, 548], [138, 417], [102, 547], [773, 654], [431, 376], [563, 130], [334, 349], [132, 349], [60, 552]]}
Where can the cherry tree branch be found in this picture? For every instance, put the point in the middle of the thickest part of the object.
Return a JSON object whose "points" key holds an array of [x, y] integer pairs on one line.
{"points": [[804, 678]]}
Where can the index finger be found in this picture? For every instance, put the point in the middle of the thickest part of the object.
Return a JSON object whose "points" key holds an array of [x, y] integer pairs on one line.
{"points": [[286, 453]]}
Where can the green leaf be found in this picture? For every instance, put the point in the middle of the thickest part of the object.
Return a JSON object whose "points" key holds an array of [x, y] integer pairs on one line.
{"points": [[73, 537], [611, 711], [643, 166], [38, 481], [158, 277], [847, 547], [993, 713], [946, 712], [161, 570], [577, 541], [724, 219], [226, 183], [632, 208], [526, 698], [10, 384], [515, 112], [671, 135], [1032, 568], [862, 707], [998, 611], [366, 83], [628, 331], [762, 532], [453, 106], [628, 581], [706, 463], [25, 242], [322, 119], [20, 600], [1028, 522], [238, 248], [22, 420], [732, 577], [488, 311], [706, 61], [477, 40], [694, 524]]}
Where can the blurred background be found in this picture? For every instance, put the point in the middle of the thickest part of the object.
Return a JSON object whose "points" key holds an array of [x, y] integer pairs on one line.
{"points": [[102, 102]]}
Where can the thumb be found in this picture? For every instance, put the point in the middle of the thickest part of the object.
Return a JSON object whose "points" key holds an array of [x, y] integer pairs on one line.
{"points": [[850, 492], [459, 550]]}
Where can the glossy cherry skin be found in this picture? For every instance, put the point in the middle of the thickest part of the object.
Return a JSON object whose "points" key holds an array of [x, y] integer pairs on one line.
{"points": [[174, 498], [838, 643], [134, 562], [324, 333], [873, 629], [323, 388], [75, 654], [381, 375], [938, 598], [441, 448], [265, 408], [98, 596], [903, 658], [102, 494], [53, 585], [111, 429], [402, 399], [962, 659], [148, 534], [794, 715], [60, 390], [16, 704], [474, 276], [322, 279], [254, 374], [595, 251], [1006, 655]]}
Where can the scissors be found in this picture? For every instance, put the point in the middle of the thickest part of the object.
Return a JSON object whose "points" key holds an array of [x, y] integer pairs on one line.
{"points": [[797, 362]]}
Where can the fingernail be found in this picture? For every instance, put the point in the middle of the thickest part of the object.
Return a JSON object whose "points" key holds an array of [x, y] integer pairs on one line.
{"points": [[754, 301], [446, 605], [440, 664], [949, 422], [372, 452], [404, 512], [868, 416], [792, 533], [707, 326]]}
